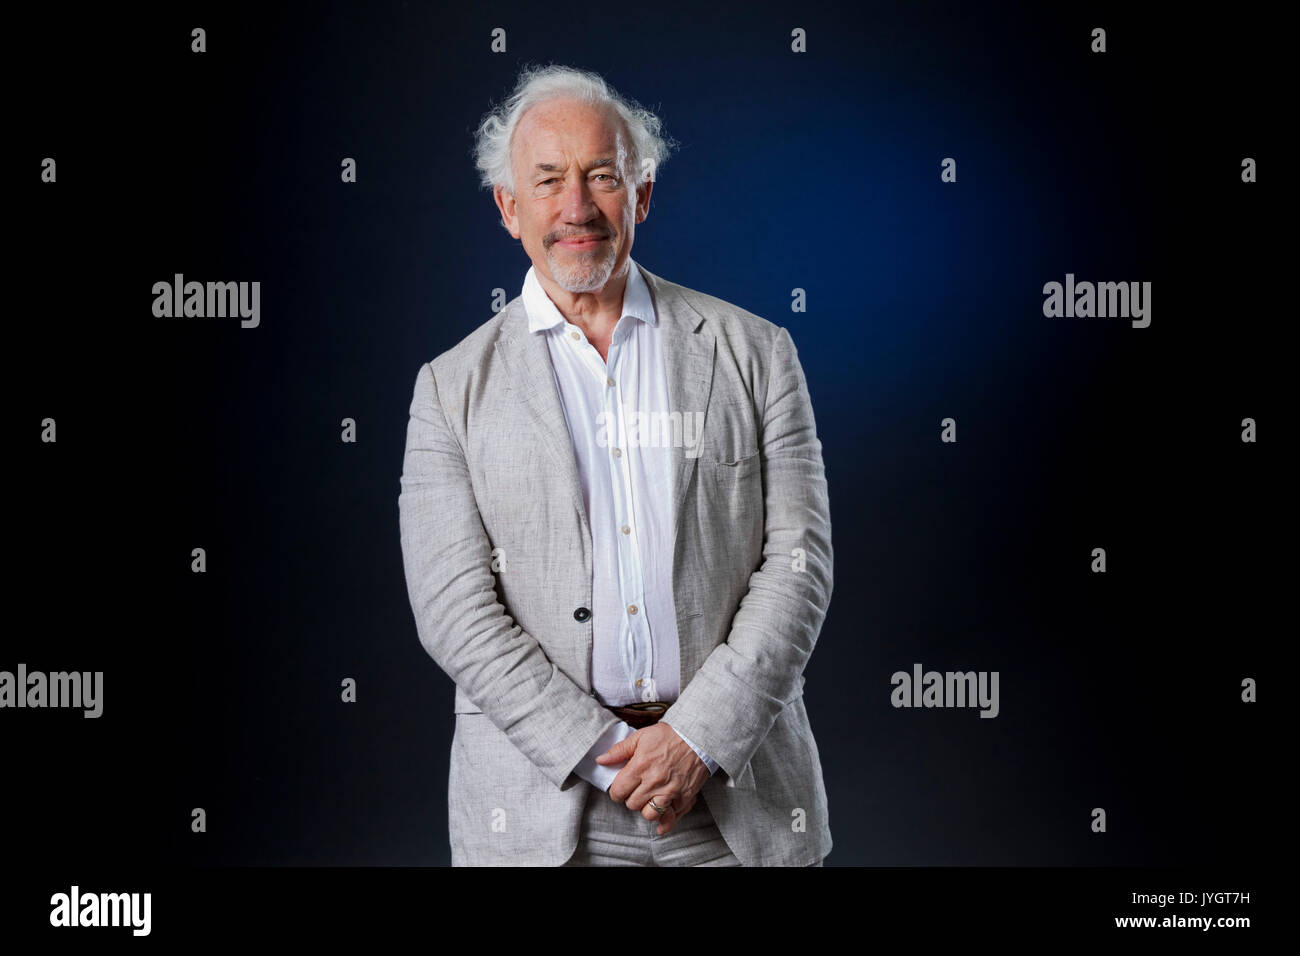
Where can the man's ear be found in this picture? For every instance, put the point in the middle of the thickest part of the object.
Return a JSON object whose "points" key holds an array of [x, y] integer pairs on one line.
{"points": [[643, 200], [505, 201]]}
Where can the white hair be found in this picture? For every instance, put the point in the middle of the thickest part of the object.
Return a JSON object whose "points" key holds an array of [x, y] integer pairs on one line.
{"points": [[647, 147]]}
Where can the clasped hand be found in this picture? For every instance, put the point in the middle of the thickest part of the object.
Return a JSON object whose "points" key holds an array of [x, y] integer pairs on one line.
{"points": [[660, 766]]}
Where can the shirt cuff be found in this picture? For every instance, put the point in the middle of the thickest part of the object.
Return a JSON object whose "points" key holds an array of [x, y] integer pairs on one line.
{"points": [[708, 761], [601, 775]]}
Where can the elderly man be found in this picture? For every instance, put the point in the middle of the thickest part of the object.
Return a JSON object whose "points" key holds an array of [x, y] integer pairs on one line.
{"points": [[615, 529]]}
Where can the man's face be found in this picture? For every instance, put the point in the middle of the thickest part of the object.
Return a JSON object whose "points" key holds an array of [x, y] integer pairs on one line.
{"points": [[575, 206]]}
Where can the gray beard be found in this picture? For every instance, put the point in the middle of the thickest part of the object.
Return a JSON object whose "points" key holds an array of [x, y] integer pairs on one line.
{"points": [[589, 272]]}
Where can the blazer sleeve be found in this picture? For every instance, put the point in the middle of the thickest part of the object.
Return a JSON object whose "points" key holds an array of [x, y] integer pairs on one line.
{"points": [[447, 557], [728, 706]]}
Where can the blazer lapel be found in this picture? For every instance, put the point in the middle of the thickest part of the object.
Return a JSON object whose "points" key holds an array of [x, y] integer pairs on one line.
{"points": [[688, 347], [533, 378]]}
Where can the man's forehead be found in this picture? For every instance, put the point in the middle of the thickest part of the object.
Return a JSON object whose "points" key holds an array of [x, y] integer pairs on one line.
{"points": [[558, 154], [567, 128]]}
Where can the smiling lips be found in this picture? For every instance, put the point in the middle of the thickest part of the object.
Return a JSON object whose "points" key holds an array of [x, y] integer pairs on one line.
{"points": [[580, 241]]}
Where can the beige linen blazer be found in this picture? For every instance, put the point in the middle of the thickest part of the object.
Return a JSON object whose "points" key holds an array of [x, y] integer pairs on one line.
{"points": [[489, 481]]}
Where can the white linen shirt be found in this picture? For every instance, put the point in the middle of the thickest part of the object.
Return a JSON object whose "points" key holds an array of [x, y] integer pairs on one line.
{"points": [[613, 408]]}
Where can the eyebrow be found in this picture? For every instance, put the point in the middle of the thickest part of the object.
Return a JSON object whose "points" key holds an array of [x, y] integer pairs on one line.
{"points": [[554, 168]]}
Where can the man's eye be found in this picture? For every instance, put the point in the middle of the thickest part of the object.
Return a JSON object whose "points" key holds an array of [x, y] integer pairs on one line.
{"points": [[545, 181], [606, 175]]}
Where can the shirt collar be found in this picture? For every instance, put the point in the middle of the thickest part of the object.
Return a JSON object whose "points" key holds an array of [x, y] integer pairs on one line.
{"points": [[542, 313]]}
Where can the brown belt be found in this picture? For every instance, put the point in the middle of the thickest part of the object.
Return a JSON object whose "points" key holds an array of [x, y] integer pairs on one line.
{"points": [[642, 714]]}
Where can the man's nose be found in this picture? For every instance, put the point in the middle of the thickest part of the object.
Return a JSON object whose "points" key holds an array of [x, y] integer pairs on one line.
{"points": [[578, 204]]}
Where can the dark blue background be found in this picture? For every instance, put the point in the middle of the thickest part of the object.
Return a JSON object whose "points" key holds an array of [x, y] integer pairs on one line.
{"points": [[818, 171]]}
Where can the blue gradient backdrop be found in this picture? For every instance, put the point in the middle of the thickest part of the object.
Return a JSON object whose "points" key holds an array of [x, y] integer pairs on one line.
{"points": [[817, 171]]}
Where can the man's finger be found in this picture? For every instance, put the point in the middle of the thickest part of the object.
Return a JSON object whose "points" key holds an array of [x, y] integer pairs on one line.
{"points": [[650, 813], [661, 791], [628, 783], [623, 750]]}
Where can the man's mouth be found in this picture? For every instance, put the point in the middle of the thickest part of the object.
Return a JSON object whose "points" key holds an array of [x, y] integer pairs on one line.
{"points": [[579, 242]]}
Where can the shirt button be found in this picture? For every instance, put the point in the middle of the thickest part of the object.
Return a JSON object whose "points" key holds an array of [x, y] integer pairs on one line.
{"points": [[609, 382], [618, 453], [631, 609], [581, 614], [575, 336], [639, 682], [626, 529]]}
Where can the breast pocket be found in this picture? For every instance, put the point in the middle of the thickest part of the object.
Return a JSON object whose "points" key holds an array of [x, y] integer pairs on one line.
{"points": [[735, 474]]}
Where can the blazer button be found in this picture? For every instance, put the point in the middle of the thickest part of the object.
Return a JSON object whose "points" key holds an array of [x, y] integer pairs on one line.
{"points": [[581, 614]]}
